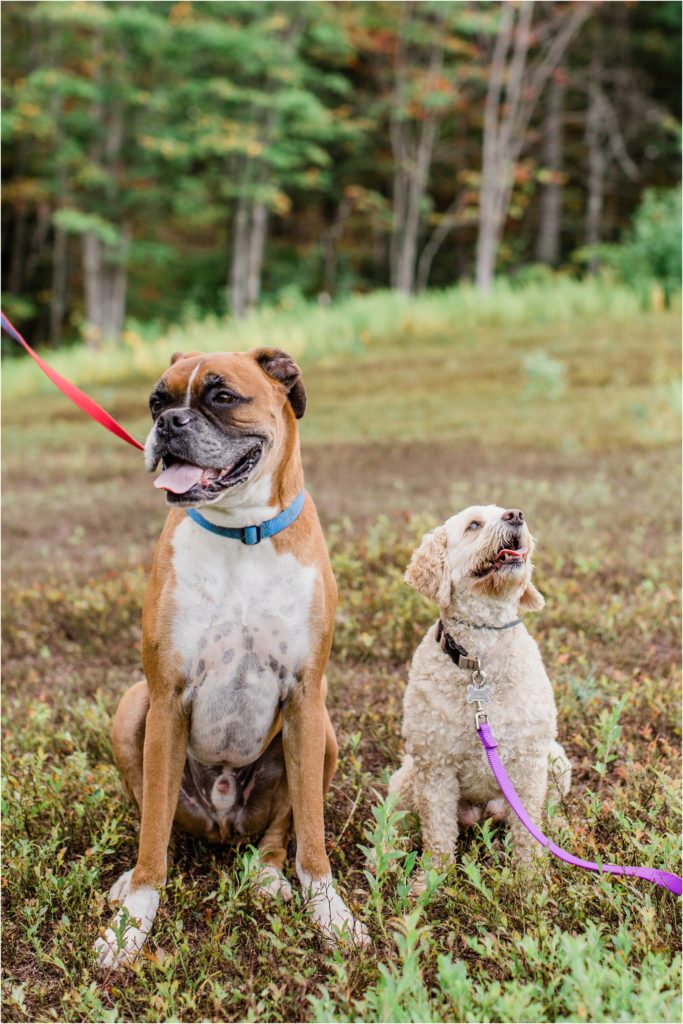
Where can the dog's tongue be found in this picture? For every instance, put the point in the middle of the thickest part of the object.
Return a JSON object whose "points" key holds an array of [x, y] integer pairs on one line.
{"points": [[512, 555], [179, 478]]}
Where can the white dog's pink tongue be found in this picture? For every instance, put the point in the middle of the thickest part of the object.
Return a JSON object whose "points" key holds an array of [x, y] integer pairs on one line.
{"points": [[179, 478], [512, 555]]}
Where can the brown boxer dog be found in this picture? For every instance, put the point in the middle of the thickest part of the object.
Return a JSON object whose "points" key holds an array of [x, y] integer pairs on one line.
{"points": [[229, 734]]}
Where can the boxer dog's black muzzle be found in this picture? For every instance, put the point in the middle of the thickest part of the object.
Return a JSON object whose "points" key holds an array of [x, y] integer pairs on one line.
{"points": [[200, 459]]}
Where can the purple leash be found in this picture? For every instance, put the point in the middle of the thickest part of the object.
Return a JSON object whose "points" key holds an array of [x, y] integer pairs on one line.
{"points": [[664, 878], [479, 694]]}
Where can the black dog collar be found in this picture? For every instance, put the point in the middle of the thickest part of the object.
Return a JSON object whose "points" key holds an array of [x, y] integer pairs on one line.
{"points": [[458, 654]]}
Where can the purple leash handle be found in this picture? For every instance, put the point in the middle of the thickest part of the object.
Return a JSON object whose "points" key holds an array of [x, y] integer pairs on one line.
{"points": [[666, 879]]}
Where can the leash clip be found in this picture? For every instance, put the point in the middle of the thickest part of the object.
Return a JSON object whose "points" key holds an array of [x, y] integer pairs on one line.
{"points": [[480, 694], [480, 718]]}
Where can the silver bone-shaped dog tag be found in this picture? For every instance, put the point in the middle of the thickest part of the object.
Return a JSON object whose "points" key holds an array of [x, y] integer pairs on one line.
{"points": [[478, 693]]}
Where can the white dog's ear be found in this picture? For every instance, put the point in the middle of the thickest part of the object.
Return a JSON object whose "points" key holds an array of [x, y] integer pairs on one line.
{"points": [[531, 600], [428, 570]]}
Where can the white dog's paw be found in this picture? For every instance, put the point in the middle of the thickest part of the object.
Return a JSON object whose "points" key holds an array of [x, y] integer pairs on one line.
{"points": [[125, 937], [330, 914], [121, 887], [560, 768], [419, 885], [272, 883]]}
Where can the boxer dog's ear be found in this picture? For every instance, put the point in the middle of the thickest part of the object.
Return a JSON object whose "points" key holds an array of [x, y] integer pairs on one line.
{"points": [[428, 570], [184, 355], [282, 368]]}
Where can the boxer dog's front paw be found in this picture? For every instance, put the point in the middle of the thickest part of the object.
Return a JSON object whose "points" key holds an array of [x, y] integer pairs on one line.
{"points": [[272, 883], [331, 915], [121, 887], [126, 935]]}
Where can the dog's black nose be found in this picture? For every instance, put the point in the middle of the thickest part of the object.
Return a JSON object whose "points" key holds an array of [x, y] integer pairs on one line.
{"points": [[515, 516], [174, 420]]}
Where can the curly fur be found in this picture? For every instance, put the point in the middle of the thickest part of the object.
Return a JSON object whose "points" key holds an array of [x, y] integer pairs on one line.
{"points": [[444, 776]]}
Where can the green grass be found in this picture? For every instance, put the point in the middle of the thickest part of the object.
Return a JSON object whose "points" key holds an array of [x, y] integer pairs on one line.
{"points": [[573, 420], [353, 326]]}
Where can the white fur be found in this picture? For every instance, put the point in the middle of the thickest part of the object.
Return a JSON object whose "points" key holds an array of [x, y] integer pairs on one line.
{"points": [[120, 888], [272, 883], [445, 776], [150, 459], [141, 907], [247, 504], [262, 592], [213, 574], [560, 769], [329, 912], [188, 393]]}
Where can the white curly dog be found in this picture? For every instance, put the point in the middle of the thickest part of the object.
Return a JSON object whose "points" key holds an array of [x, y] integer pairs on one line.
{"points": [[478, 568]]}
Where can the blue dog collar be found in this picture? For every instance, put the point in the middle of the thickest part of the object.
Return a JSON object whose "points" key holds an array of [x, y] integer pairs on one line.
{"points": [[253, 534]]}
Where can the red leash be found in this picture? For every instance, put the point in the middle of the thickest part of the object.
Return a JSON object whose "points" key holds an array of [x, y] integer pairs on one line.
{"points": [[74, 394]]}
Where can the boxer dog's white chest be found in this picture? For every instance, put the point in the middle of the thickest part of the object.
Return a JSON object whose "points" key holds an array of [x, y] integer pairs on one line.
{"points": [[241, 628]]}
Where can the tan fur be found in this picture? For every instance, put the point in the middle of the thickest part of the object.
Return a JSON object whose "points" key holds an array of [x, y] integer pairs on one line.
{"points": [[150, 730], [444, 776], [427, 570]]}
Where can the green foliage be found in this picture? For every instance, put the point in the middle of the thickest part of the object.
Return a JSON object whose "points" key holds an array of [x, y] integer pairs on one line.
{"points": [[80, 223], [650, 251], [545, 376], [588, 979], [181, 126], [171, 121], [361, 325], [370, 586]]}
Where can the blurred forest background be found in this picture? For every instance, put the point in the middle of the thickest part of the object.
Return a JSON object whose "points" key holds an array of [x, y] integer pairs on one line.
{"points": [[168, 161]]}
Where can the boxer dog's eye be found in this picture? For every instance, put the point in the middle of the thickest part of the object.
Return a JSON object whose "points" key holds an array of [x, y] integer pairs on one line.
{"points": [[156, 405], [224, 398]]}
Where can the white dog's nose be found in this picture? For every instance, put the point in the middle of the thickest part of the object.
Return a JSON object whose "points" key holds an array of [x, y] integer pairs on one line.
{"points": [[515, 516]]}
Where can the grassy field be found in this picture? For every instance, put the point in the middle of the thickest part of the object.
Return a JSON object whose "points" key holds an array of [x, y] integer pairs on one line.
{"points": [[562, 404]]}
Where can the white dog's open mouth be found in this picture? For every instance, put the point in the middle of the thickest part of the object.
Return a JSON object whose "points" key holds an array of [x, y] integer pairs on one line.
{"points": [[187, 484], [507, 555], [506, 558]]}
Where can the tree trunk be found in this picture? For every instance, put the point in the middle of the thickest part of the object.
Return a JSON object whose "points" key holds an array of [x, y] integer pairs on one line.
{"points": [[548, 242], [597, 165], [37, 242], [239, 267], [417, 187], [506, 118], [105, 282], [19, 220], [487, 248], [495, 160], [448, 222], [16, 267], [59, 281], [413, 151], [105, 266], [329, 241], [257, 244]]}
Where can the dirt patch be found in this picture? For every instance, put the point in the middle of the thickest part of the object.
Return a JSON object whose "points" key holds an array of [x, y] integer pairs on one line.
{"points": [[103, 510]]}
